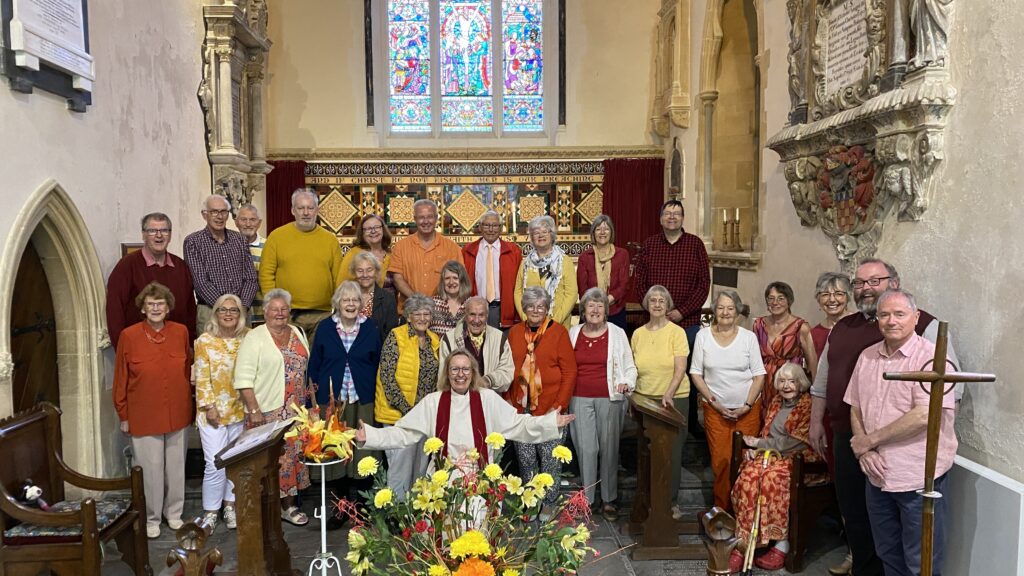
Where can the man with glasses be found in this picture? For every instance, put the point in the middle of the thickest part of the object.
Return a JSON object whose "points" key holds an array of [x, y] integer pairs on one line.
{"points": [[485, 260], [851, 336], [416, 260], [150, 263], [248, 221], [219, 260], [305, 260]]}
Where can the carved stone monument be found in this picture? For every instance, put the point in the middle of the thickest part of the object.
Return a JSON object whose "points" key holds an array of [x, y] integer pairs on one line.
{"points": [[863, 144], [672, 68], [231, 95]]}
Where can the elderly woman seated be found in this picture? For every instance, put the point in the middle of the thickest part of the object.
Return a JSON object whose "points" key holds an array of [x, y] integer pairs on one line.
{"points": [[785, 433], [462, 413]]}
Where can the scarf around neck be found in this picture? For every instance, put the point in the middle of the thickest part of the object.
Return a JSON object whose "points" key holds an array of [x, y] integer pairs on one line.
{"points": [[548, 268]]}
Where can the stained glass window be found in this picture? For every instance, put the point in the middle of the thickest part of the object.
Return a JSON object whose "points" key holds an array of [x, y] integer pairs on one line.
{"points": [[523, 64], [466, 48], [409, 65]]}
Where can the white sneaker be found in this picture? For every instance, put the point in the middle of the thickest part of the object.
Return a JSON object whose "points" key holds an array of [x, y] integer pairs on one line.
{"points": [[210, 519], [229, 517], [152, 531], [175, 523]]}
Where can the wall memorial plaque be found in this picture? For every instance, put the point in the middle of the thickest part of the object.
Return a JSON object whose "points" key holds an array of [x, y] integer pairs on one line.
{"points": [[45, 43], [847, 45], [847, 54]]}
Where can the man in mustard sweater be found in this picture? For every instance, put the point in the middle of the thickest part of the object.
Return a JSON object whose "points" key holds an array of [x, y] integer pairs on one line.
{"points": [[305, 260]]}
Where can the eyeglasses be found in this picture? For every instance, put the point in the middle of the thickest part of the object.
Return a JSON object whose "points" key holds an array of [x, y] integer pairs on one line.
{"points": [[870, 282], [156, 231], [774, 299], [491, 225], [460, 369], [836, 295], [372, 228], [218, 212], [537, 308], [231, 311], [155, 305]]}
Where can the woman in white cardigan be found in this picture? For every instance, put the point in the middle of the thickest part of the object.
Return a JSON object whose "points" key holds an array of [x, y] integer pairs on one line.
{"points": [[605, 372]]}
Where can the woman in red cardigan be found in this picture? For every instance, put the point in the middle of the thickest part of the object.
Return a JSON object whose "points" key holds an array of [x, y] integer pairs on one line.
{"points": [[545, 362], [604, 265]]}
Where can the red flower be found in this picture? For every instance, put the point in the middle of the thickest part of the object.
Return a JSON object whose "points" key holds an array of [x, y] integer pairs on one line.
{"points": [[421, 525], [406, 533], [409, 556]]}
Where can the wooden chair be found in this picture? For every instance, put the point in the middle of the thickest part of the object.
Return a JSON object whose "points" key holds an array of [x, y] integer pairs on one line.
{"points": [[810, 494], [67, 539]]}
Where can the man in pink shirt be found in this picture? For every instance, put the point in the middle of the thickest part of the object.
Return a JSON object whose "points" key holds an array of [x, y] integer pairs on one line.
{"points": [[889, 421]]}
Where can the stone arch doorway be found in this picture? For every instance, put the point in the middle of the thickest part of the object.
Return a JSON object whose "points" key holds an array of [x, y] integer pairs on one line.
{"points": [[50, 225], [33, 336]]}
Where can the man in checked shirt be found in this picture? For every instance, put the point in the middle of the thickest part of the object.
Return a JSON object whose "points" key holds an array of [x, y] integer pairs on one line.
{"points": [[219, 260], [678, 261]]}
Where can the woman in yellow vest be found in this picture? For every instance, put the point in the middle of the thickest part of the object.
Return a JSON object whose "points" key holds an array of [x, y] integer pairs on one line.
{"points": [[407, 373]]}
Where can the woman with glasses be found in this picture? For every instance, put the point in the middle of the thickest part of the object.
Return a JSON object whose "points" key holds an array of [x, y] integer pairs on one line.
{"points": [[782, 337], [545, 364], [219, 410], [153, 399], [377, 303], [407, 373], [548, 267], [372, 236], [604, 265]]}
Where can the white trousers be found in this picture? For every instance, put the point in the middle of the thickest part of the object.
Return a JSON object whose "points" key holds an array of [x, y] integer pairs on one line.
{"points": [[216, 486], [162, 458]]}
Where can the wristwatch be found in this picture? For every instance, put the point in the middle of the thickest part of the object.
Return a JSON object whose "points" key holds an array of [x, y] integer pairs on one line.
{"points": [[253, 411]]}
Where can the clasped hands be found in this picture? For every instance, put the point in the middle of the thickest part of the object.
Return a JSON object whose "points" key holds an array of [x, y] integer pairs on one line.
{"points": [[871, 462]]}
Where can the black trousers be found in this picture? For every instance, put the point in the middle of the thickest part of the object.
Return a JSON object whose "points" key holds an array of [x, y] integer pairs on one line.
{"points": [[850, 485]]}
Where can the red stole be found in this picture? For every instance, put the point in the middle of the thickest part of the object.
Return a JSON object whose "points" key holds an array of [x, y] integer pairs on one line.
{"points": [[476, 414]]}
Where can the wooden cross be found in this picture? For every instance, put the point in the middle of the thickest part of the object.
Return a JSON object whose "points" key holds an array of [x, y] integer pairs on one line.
{"points": [[938, 377]]}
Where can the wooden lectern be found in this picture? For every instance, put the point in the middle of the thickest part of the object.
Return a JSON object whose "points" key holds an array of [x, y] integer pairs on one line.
{"points": [[651, 517], [252, 464]]}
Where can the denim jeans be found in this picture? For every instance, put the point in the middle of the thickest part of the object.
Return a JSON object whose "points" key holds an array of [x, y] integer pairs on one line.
{"points": [[896, 525]]}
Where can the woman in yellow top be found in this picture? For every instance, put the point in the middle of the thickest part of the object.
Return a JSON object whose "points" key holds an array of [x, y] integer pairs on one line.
{"points": [[659, 352], [550, 268], [372, 236], [220, 414]]}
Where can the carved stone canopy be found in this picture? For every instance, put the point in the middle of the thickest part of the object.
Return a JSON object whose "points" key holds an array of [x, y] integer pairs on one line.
{"points": [[864, 142], [672, 68]]}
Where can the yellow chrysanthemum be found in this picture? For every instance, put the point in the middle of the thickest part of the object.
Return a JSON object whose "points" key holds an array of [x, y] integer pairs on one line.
{"points": [[513, 484], [475, 567], [582, 534], [438, 570], [501, 552], [562, 454], [368, 466], [492, 471], [383, 498], [440, 478], [433, 445], [495, 440], [355, 540], [510, 572], [542, 481], [530, 497], [472, 455], [472, 543]]}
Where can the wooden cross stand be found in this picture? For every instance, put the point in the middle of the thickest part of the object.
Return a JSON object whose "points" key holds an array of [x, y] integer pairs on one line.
{"points": [[938, 377]]}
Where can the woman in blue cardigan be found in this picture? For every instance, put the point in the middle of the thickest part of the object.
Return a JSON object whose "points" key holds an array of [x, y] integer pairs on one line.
{"points": [[343, 368]]}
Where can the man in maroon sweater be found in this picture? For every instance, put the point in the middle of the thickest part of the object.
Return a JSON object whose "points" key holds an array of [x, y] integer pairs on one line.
{"points": [[150, 263]]}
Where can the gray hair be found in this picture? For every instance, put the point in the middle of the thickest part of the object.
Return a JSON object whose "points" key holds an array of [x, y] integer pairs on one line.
{"points": [[894, 276], [658, 289], [731, 295], [893, 293], [476, 300], [417, 303], [424, 202], [535, 295], [489, 214], [794, 371], [307, 191], [277, 293], [213, 328], [828, 280], [362, 257], [594, 294], [221, 197], [159, 217], [347, 287], [602, 219], [250, 208], [547, 223]]}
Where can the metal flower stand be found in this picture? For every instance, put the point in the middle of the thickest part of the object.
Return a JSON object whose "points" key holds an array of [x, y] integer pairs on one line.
{"points": [[324, 560]]}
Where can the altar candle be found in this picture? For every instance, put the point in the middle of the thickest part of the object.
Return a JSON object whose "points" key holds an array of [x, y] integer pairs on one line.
{"points": [[737, 214], [725, 216]]}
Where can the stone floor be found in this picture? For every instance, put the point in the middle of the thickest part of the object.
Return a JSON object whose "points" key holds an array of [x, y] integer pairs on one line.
{"points": [[826, 548]]}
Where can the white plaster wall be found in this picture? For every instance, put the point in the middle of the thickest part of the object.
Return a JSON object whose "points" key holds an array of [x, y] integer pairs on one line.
{"points": [[317, 97], [139, 148]]}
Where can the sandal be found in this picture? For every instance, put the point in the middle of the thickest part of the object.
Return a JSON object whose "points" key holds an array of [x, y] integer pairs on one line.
{"points": [[773, 559], [294, 516]]}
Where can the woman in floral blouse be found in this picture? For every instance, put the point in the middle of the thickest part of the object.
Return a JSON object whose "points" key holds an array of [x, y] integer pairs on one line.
{"points": [[219, 411]]}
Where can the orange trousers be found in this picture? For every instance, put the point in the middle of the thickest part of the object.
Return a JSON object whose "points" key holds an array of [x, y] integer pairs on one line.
{"points": [[719, 432]]}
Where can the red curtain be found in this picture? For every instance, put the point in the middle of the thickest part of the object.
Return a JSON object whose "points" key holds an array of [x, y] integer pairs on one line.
{"points": [[634, 190], [285, 178]]}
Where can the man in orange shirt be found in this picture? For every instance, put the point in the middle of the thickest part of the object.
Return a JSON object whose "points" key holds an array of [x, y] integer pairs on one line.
{"points": [[416, 260]]}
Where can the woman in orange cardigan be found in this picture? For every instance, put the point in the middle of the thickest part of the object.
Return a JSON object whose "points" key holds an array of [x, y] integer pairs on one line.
{"points": [[546, 366], [153, 399]]}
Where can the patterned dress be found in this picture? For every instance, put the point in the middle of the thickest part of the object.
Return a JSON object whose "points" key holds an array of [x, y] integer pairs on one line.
{"points": [[785, 348], [214, 370], [773, 480]]}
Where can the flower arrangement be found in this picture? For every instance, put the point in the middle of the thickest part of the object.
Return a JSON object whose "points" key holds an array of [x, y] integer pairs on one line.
{"points": [[321, 439], [462, 521]]}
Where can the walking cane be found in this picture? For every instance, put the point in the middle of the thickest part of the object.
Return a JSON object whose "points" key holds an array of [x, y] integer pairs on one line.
{"points": [[748, 556]]}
